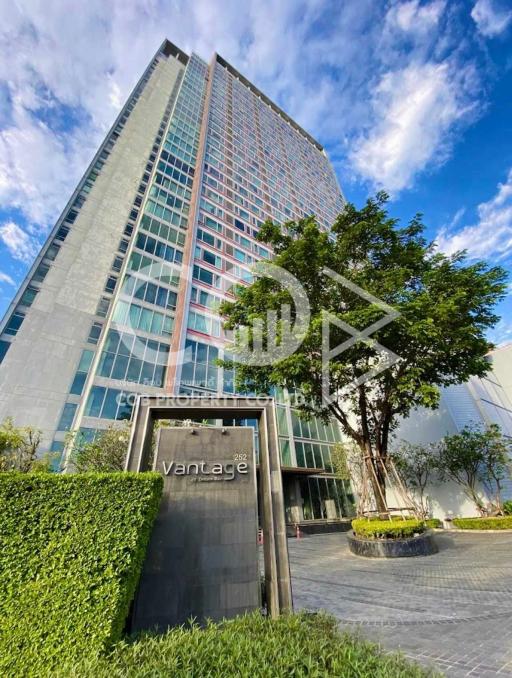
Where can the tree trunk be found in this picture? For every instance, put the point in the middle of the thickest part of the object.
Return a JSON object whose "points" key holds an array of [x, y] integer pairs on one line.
{"points": [[377, 480]]}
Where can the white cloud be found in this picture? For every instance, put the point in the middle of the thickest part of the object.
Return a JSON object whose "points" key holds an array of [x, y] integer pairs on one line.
{"points": [[87, 67], [501, 334], [20, 245], [415, 17], [321, 65], [39, 166], [491, 17], [415, 110], [492, 235], [456, 219], [5, 278]]}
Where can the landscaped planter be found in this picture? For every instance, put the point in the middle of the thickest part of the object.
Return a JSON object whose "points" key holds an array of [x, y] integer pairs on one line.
{"points": [[420, 545]]}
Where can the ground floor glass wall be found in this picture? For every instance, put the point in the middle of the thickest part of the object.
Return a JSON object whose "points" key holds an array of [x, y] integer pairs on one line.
{"points": [[325, 498]]}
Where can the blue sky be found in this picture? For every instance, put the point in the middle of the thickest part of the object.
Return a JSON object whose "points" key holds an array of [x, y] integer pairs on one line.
{"points": [[411, 96]]}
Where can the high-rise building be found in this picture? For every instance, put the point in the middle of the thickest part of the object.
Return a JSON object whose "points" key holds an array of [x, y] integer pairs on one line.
{"points": [[122, 298]]}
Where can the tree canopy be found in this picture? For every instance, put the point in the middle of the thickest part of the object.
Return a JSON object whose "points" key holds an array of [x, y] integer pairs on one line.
{"points": [[476, 455], [444, 306], [19, 448]]}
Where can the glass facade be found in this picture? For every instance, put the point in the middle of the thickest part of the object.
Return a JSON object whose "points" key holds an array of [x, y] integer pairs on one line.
{"points": [[256, 166], [224, 160]]}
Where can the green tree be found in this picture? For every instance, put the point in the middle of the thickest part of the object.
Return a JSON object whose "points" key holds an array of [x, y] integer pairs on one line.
{"points": [[496, 466], [106, 453], [477, 455], [417, 467], [445, 305], [19, 447]]}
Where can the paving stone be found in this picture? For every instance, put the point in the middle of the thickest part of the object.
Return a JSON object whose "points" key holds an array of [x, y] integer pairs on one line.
{"points": [[451, 610]]}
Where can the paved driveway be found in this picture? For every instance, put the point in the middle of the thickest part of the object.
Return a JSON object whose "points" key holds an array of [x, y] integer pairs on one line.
{"points": [[452, 610]]}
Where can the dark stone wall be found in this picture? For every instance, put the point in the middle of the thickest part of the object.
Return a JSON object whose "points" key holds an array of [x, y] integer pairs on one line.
{"points": [[421, 545], [202, 560]]}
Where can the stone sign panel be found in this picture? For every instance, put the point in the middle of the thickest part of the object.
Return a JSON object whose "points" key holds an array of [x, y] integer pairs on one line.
{"points": [[202, 560]]}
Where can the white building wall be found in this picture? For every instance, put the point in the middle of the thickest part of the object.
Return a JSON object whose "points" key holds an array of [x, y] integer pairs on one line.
{"points": [[479, 402], [502, 368], [39, 367]]}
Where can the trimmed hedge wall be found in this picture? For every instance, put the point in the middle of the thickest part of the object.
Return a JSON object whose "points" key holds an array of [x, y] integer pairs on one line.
{"points": [[71, 552], [387, 529], [496, 523]]}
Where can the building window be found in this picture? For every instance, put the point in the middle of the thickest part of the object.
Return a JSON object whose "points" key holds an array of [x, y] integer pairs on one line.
{"points": [[318, 492], [88, 434], [200, 368], [147, 291], [94, 333], [158, 248], [162, 230], [67, 416], [117, 264], [282, 423], [28, 296], [4, 347], [206, 276], [109, 403], [62, 233], [40, 273], [52, 251], [123, 246], [203, 323], [204, 298], [81, 373], [102, 308], [284, 446], [110, 285], [133, 358], [14, 323], [140, 318], [153, 269]]}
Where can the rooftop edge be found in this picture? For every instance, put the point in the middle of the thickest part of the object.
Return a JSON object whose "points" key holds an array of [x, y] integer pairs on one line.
{"points": [[170, 49], [268, 101]]}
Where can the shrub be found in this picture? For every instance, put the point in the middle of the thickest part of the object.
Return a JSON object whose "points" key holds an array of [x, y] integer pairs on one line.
{"points": [[18, 448], [433, 523], [299, 645], [72, 550], [429, 522], [507, 507], [387, 529], [496, 523], [105, 454]]}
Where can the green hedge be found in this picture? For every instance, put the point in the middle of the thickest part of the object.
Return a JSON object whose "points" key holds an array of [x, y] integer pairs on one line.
{"points": [[72, 548], [298, 645], [498, 523], [433, 523], [387, 529]]}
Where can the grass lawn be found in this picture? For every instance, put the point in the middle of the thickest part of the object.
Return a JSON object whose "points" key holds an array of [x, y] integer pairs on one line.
{"points": [[250, 646]]}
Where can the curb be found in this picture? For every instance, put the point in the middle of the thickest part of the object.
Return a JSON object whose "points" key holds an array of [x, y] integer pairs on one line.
{"points": [[458, 530]]}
